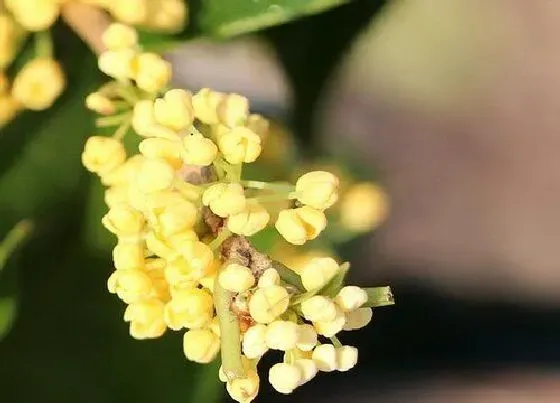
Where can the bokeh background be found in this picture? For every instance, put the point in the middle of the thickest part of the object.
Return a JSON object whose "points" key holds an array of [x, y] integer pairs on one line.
{"points": [[451, 105]]}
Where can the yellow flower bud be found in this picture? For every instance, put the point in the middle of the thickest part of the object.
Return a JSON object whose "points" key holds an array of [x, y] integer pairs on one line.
{"points": [[266, 304], [128, 256], [308, 369], [38, 84], [116, 195], [329, 328], [325, 358], [189, 307], [123, 220], [240, 145], [169, 213], [318, 272], [285, 377], [103, 154], [205, 103], [269, 277], [249, 221], [119, 36], [133, 12], [259, 125], [224, 199], [144, 122], [124, 173], [300, 225], [363, 207], [167, 16], [350, 298], [201, 345], [244, 390], [358, 318], [155, 176], [306, 337], [166, 247], [9, 108], [118, 64], [99, 103], [254, 341], [318, 308], [196, 259], [346, 357], [34, 15], [236, 278], [282, 335], [175, 110], [155, 269], [233, 110], [318, 189], [164, 149], [146, 319], [152, 72], [130, 285], [198, 150]]}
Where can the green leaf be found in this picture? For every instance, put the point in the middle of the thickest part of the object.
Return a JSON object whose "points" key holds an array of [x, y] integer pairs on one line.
{"points": [[8, 309], [379, 296]]}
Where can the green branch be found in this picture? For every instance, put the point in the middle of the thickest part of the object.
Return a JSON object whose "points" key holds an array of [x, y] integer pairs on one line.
{"points": [[13, 239]]}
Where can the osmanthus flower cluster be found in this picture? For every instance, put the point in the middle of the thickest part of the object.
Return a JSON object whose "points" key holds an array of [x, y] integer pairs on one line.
{"points": [[183, 213]]}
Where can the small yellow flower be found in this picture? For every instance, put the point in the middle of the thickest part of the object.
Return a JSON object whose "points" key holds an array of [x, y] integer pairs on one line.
{"points": [[169, 213], [325, 357], [318, 189], [124, 173], [129, 255], [190, 307], [254, 341], [38, 84], [197, 257], [244, 390], [282, 335], [155, 269], [240, 145], [269, 277], [205, 103], [268, 303], [346, 358], [119, 36], [300, 225], [144, 122], [201, 345], [358, 318], [251, 220], [350, 298], [34, 15], [363, 207], [99, 103], [259, 125], [133, 12], [116, 194], [175, 110], [306, 337], [152, 72], [130, 285], [318, 308], [164, 149], [166, 247], [146, 319], [329, 328], [308, 369], [198, 150], [224, 199], [155, 176], [118, 64], [233, 110], [318, 272], [285, 377], [167, 16], [101, 155], [236, 278], [122, 220]]}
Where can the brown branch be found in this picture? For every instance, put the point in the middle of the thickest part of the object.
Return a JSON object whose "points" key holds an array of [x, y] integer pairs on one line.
{"points": [[89, 23]]}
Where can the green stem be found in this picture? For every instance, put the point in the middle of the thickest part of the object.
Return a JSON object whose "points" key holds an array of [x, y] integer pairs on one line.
{"points": [[13, 239], [123, 128], [43, 45], [379, 296], [277, 186], [335, 341], [219, 240], [230, 334], [114, 120]]}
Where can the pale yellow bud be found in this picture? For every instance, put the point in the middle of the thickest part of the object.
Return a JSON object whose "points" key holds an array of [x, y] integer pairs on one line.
{"points": [[198, 150], [116, 195], [103, 154], [152, 72], [236, 278], [201, 345], [329, 328], [300, 225], [358, 318], [190, 307], [266, 304], [175, 110], [144, 122], [34, 15], [325, 357], [308, 369], [118, 64], [306, 337], [119, 36], [99, 103], [146, 319], [130, 285], [318, 189], [128, 255], [167, 15], [131, 12], [198, 258], [224, 199], [244, 390], [269, 277], [346, 357], [124, 173], [350, 298], [259, 125], [254, 341], [363, 207], [205, 103], [166, 247], [318, 308], [240, 145], [155, 176], [318, 272], [164, 149], [233, 110], [38, 84], [169, 213], [251, 220], [282, 335], [285, 377], [123, 220], [155, 268], [9, 108]]}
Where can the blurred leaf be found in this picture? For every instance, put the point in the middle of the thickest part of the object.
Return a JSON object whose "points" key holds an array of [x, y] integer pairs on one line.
{"points": [[219, 18], [7, 314], [379, 296]]}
